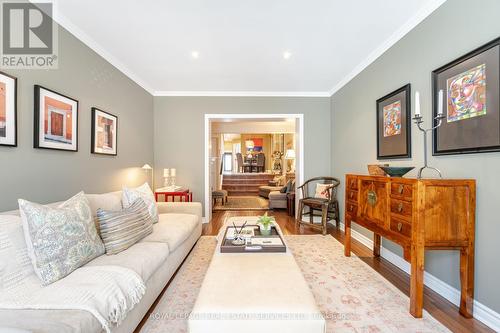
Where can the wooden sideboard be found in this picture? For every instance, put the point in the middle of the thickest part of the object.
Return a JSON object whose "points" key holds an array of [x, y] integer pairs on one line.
{"points": [[418, 214]]}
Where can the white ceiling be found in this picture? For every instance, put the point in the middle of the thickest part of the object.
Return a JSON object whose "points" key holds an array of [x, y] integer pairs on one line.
{"points": [[241, 43]]}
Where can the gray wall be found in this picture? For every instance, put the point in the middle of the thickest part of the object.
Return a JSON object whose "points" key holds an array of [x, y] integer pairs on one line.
{"points": [[436, 41], [48, 175], [179, 132]]}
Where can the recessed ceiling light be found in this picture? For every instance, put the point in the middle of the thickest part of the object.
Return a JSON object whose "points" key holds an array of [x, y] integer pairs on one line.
{"points": [[195, 54], [287, 55]]}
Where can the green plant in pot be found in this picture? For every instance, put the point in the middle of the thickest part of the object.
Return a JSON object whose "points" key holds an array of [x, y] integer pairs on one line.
{"points": [[265, 223]]}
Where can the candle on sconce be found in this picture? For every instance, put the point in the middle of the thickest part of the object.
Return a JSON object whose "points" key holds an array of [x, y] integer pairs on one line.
{"points": [[166, 172], [172, 172], [417, 104], [440, 103]]}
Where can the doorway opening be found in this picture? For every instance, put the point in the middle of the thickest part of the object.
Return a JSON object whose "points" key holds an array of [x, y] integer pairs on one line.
{"points": [[252, 161]]}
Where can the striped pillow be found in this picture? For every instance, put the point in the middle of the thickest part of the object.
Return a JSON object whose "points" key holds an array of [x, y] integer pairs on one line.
{"points": [[122, 229]]}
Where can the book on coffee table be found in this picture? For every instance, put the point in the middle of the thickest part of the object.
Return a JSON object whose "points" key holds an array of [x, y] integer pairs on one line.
{"points": [[253, 243]]}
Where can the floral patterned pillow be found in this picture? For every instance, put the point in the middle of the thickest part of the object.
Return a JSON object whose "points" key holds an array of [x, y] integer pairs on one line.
{"points": [[143, 192], [61, 239]]}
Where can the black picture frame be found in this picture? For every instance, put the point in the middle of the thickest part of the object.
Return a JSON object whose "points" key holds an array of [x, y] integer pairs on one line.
{"points": [[37, 143], [451, 137], [396, 146], [13, 144], [93, 149]]}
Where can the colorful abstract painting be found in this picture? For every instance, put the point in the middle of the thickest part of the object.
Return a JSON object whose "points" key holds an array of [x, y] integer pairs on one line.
{"points": [[392, 119], [466, 94]]}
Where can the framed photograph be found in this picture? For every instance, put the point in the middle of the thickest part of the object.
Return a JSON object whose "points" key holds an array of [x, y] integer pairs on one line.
{"points": [[8, 110], [394, 124], [56, 120], [104, 133], [471, 89]]}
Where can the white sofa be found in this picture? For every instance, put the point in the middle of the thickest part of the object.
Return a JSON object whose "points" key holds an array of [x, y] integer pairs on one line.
{"points": [[155, 258]]}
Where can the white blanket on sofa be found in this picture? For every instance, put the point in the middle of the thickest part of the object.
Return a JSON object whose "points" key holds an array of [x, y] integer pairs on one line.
{"points": [[108, 292]]}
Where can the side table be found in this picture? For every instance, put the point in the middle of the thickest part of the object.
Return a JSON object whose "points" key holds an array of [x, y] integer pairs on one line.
{"points": [[183, 194], [290, 203]]}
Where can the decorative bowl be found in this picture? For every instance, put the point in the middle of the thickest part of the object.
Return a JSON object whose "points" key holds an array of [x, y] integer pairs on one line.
{"points": [[396, 171]]}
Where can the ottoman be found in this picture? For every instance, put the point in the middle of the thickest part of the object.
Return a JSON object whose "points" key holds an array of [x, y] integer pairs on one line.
{"points": [[219, 194]]}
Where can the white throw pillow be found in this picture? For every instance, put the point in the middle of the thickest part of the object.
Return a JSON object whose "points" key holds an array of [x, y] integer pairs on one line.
{"points": [[322, 191], [144, 192], [61, 239]]}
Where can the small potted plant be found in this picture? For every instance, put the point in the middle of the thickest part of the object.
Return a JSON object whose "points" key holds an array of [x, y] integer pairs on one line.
{"points": [[265, 223]]}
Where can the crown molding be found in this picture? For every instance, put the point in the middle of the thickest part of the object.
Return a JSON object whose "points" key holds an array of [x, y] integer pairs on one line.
{"points": [[421, 15], [244, 93], [97, 48]]}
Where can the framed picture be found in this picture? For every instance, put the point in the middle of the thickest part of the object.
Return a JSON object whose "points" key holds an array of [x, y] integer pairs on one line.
{"points": [[56, 120], [8, 110], [394, 124], [104, 133], [471, 89]]}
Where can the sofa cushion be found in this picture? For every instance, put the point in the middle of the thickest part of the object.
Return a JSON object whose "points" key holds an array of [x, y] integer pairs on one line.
{"points": [[61, 239], [129, 195], [172, 229], [120, 229], [143, 258], [106, 201]]}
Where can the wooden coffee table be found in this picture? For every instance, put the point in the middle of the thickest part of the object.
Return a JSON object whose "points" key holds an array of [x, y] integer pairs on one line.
{"points": [[254, 292]]}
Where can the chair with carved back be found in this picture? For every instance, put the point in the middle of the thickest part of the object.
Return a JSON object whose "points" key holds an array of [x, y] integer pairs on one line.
{"points": [[321, 198]]}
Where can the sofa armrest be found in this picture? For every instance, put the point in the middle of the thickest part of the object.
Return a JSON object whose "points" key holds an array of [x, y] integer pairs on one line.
{"points": [[193, 208]]}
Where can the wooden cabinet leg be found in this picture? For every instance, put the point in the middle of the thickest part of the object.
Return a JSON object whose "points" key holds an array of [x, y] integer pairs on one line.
{"points": [[467, 282], [417, 281], [376, 245], [347, 238]]}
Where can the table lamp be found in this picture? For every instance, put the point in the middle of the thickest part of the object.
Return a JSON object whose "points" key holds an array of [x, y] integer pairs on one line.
{"points": [[146, 167]]}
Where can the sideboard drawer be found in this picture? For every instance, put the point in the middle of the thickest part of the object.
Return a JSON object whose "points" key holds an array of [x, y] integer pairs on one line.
{"points": [[401, 207], [352, 183], [401, 227], [400, 190], [352, 195], [351, 209]]}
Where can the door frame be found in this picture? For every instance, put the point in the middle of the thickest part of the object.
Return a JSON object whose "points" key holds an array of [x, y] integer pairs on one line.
{"points": [[299, 139]]}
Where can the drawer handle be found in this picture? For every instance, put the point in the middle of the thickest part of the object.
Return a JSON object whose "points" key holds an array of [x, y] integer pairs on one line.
{"points": [[401, 189], [400, 207], [400, 226], [351, 208]]}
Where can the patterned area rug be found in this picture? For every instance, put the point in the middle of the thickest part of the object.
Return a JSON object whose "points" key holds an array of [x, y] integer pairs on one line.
{"points": [[243, 203], [351, 295]]}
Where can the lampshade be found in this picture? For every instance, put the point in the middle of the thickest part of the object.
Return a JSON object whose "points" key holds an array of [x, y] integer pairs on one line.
{"points": [[249, 144], [290, 154], [147, 167]]}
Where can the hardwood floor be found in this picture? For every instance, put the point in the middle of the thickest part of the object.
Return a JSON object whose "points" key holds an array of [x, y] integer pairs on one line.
{"points": [[441, 309]]}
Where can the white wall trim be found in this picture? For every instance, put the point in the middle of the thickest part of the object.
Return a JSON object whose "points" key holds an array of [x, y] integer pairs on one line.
{"points": [[244, 93], [481, 312], [393, 39], [209, 117]]}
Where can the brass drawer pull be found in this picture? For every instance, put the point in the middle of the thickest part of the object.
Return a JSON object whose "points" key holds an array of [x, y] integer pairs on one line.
{"points": [[401, 189], [400, 207], [400, 226]]}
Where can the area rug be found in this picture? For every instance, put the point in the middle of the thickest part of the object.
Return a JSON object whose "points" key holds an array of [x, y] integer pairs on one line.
{"points": [[350, 294], [243, 203]]}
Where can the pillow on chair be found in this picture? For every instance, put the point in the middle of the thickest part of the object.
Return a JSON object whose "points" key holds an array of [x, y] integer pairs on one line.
{"points": [[322, 191]]}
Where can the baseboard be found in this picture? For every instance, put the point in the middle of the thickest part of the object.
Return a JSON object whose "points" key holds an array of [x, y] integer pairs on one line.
{"points": [[481, 312]]}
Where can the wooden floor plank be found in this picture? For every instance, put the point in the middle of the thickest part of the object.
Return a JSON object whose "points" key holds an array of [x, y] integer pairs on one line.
{"points": [[440, 308]]}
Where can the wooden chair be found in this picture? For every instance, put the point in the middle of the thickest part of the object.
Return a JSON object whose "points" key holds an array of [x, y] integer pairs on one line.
{"points": [[242, 167], [329, 206]]}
